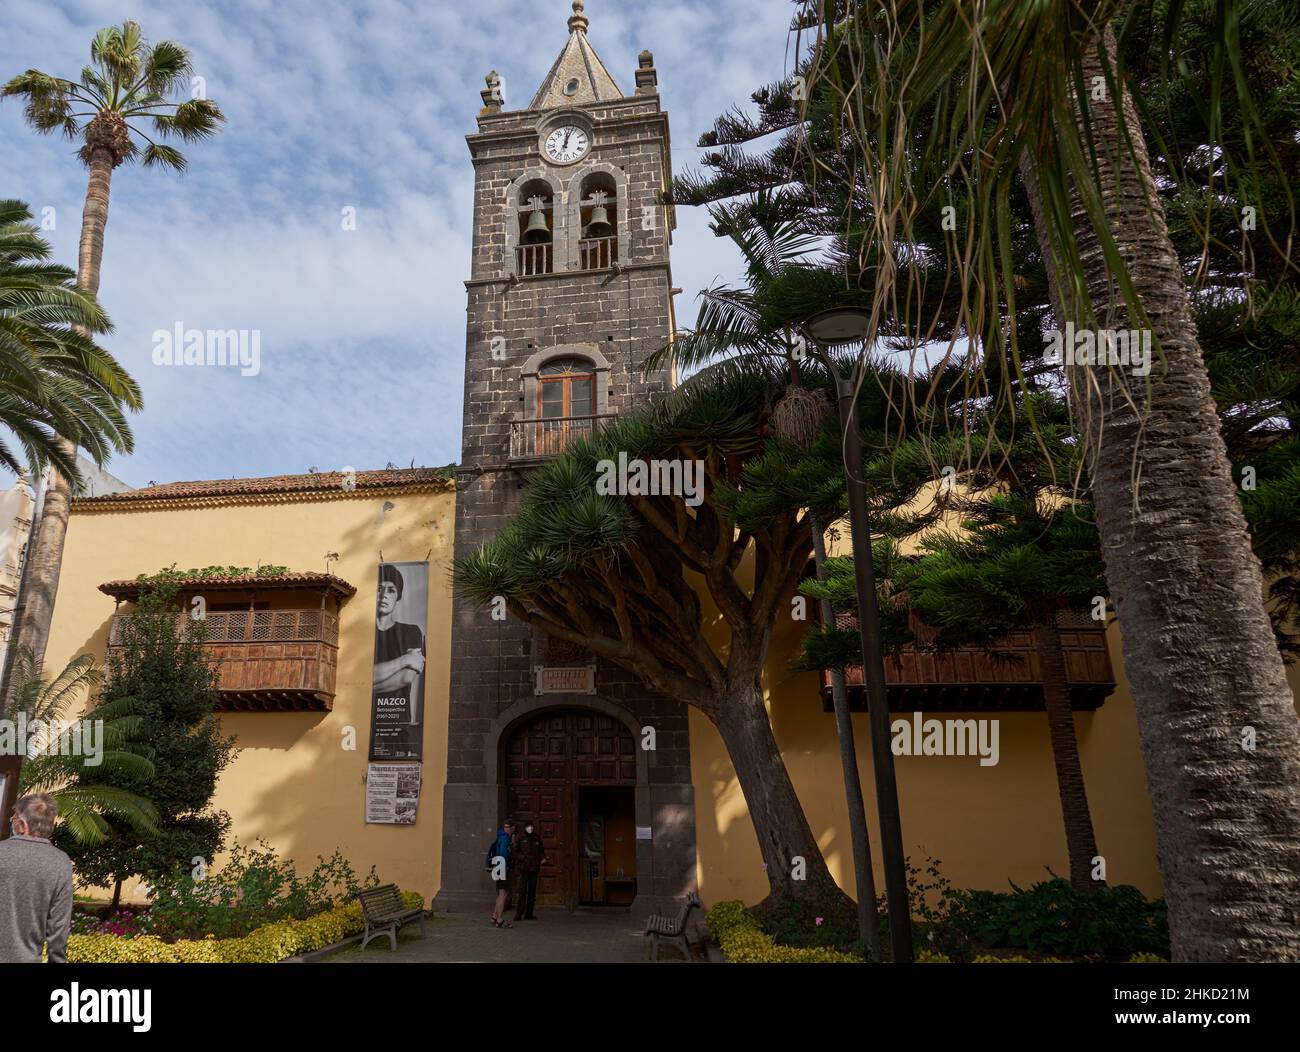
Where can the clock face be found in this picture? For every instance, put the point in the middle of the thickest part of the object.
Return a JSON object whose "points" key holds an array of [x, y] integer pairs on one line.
{"points": [[567, 143]]}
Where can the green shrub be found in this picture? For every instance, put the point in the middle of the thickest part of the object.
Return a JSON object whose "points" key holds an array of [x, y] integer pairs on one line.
{"points": [[264, 945], [1053, 917], [1050, 918], [806, 923], [743, 941], [253, 888], [725, 917]]}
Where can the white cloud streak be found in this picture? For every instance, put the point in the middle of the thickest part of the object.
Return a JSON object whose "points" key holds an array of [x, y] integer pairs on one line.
{"points": [[333, 105]]}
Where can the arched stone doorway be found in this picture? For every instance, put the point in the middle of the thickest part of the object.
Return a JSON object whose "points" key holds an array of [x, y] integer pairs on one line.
{"points": [[574, 771]]}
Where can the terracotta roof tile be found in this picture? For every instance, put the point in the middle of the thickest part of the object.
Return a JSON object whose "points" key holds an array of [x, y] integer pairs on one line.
{"points": [[273, 485], [129, 588]]}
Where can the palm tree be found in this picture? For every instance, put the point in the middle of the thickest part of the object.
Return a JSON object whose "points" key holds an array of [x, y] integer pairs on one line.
{"points": [[128, 83], [1038, 90], [48, 768], [54, 379]]}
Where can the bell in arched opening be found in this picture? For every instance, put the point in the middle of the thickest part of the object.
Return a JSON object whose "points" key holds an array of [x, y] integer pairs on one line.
{"points": [[600, 225], [537, 232]]}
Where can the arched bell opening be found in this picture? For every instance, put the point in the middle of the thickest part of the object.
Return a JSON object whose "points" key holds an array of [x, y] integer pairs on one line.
{"points": [[535, 216], [598, 222]]}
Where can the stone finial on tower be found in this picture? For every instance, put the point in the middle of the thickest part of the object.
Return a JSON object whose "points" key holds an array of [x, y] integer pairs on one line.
{"points": [[647, 79], [577, 20], [494, 95]]}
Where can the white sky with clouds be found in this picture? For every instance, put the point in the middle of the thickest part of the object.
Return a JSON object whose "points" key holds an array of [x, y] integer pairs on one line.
{"points": [[331, 104]]}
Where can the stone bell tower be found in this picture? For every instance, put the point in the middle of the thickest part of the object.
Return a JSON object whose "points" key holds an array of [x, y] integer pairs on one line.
{"points": [[570, 289]]}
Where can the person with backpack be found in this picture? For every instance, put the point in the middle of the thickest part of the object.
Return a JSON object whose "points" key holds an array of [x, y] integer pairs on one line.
{"points": [[529, 857], [499, 865]]}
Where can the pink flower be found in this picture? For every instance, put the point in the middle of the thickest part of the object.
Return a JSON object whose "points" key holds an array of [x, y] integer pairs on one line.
{"points": [[819, 921]]}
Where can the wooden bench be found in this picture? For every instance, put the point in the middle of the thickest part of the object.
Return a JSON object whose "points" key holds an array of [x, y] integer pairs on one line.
{"points": [[385, 913], [672, 929]]}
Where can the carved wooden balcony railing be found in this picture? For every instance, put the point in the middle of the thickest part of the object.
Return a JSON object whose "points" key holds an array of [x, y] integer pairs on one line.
{"points": [[268, 660], [534, 259], [597, 253], [1004, 676], [539, 437]]}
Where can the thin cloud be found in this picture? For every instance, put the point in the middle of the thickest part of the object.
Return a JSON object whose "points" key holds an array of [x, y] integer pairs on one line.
{"points": [[336, 105]]}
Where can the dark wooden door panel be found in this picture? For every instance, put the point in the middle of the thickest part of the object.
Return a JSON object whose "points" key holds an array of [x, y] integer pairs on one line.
{"points": [[546, 759]]}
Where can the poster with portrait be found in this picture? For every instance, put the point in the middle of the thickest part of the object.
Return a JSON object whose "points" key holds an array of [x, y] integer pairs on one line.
{"points": [[397, 690], [392, 793]]}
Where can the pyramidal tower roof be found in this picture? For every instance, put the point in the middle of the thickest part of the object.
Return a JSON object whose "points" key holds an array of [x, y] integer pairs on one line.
{"points": [[578, 75]]}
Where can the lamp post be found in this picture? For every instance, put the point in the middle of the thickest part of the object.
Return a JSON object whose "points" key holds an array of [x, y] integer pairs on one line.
{"points": [[829, 327]]}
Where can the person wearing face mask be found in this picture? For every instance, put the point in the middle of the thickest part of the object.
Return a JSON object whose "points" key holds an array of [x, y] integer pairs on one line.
{"points": [[529, 856]]}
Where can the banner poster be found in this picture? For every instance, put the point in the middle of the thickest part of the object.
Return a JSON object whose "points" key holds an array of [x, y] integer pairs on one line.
{"points": [[397, 693], [393, 793]]}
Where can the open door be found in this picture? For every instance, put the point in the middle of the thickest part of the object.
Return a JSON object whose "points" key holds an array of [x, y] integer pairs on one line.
{"points": [[607, 853]]}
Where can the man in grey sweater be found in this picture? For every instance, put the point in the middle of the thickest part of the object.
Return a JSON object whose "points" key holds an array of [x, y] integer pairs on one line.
{"points": [[35, 886]]}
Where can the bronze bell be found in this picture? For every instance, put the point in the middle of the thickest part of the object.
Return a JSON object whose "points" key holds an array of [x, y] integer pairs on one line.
{"points": [[537, 232], [599, 225]]}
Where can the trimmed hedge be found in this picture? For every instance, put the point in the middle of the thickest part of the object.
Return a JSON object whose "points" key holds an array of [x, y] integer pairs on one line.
{"points": [[929, 957], [266, 945], [744, 942]]}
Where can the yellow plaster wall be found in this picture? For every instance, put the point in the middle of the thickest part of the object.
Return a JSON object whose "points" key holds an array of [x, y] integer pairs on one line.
{"points": [[292, 781], [984, 824], [293, 784]]}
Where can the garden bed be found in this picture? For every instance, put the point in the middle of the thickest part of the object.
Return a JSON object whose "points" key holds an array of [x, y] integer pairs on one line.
{"points": [[1048, 923], [273, 942]]}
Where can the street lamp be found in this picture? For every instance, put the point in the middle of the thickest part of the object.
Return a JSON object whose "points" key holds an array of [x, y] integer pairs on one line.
{"points": [[826, 328]]}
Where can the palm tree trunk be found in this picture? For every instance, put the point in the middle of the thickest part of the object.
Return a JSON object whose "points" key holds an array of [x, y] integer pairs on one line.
{"points": [[1204, 668], [94, 218], [864, 877], [784, 836], [1080, 840], [45, 553]]}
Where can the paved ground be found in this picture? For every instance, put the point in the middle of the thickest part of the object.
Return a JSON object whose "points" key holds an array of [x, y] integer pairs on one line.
{"points": [[587, 936]]}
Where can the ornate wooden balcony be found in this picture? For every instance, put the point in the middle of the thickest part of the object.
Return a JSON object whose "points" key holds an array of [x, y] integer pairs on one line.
{"points": [[537, 438], [267, 660], [1005, 676]]}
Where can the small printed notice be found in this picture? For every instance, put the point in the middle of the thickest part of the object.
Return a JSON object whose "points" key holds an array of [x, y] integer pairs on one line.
{"points": [[392, 793], [643, 832]]}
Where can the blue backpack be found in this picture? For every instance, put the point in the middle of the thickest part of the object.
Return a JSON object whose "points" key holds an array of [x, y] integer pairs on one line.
{"points": [[492, 853]]}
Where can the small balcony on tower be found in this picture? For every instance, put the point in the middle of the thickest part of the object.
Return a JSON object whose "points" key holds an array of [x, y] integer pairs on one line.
{"points": [[564, 395], [539, 438]]}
